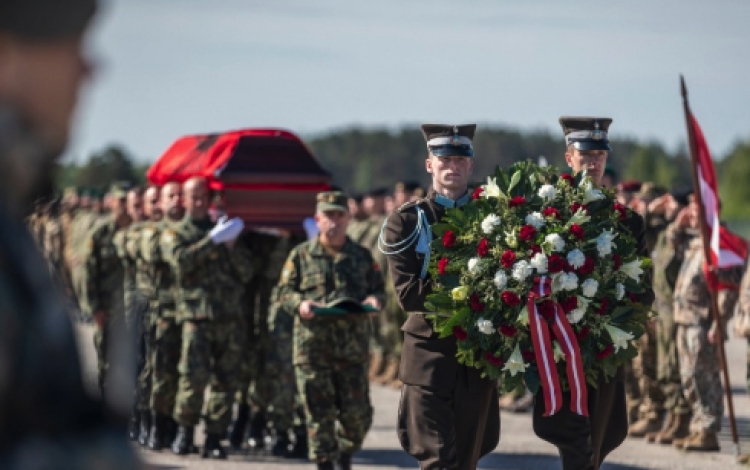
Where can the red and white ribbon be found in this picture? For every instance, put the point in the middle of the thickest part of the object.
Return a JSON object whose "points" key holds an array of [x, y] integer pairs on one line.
{"points": [[545, 357]]}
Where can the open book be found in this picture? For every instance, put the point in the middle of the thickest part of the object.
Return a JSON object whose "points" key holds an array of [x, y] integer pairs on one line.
{"points": [[343, 306]]}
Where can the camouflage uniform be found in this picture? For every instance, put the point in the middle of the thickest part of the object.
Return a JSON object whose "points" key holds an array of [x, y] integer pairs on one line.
{"points": [[210, 281], [81, 227], [699, 366], [105, 283], [667, 259], [331, 352]]}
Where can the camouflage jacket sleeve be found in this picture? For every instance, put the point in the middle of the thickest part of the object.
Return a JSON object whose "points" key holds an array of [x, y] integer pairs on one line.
{"points": [[242, 262], [727, 298], [375, 282], [185, 257], [288, 288], [93, 271]]}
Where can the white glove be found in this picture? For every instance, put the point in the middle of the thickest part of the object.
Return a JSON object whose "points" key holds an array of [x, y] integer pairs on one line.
{"points": [[226, 230], [235, 226]]}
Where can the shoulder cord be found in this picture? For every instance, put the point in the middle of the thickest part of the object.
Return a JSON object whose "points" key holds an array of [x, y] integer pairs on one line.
{"points": [[422, 236]]}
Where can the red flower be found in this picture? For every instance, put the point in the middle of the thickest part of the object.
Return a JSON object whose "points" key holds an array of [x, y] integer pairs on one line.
{"points": [[494, 360], [517, 201], [508, 259], [477, 192], [577, 205], [483, 248], [605, 352], [550, 212], [587, 267], [567, 177], [577, 231], [602, 310], [584, 333], [442, 264], [449, 239], [569, 304], [475, 303], [616, 261], [510, 298], [555, 263], [622, 210], [528, 356], [508, 330], [546, 308], [460, 333], [535, 249], [528, 232]]}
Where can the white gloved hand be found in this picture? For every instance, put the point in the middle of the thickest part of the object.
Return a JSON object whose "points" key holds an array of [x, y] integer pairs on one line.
{"points": [[235, 226], [226, 230]]}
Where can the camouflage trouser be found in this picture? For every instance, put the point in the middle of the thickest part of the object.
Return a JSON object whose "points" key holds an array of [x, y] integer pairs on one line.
{"points": [[140, 326], [284, 404], [330, 393], [165, 355], [114, 324], [211, 353], [645, 371], [699, 369], [668, 365]]}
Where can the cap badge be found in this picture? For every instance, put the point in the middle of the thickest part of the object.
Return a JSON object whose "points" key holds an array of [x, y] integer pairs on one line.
{"points": [[455, 140], [597, 134]]}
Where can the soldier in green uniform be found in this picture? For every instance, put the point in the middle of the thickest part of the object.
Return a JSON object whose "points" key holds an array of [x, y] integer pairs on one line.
{"points": [[47, 419], [83, 221], [211, 272], [105, 284], [156, 275], [584, 442], [331, 351]]}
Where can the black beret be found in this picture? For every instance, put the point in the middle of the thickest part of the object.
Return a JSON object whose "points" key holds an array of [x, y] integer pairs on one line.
{"points": [[46, 19]]}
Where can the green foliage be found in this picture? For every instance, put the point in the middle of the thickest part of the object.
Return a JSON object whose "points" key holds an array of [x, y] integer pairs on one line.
{"points": [[734, 175], [110, 165]]}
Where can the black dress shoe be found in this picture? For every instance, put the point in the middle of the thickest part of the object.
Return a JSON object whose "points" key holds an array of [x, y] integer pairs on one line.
{"points": [[183, 441], [257, 427], [325, 465], [299, 449], [212, 448], [156, 436], [281, 447], [236, 433], [345, 462]]}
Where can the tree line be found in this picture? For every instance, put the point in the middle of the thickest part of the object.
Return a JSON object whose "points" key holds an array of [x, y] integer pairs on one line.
{"points": [[360, 159]]}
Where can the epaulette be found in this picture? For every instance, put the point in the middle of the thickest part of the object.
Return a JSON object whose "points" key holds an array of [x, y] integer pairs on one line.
{"points": [[410, 204]]}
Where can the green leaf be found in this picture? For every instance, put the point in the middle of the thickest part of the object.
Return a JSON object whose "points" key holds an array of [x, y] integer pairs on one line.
{"points": [[620, 311], [514, 180]]}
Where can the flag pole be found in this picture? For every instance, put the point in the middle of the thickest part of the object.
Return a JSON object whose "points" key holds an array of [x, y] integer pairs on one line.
{"points": [[705, 238]]}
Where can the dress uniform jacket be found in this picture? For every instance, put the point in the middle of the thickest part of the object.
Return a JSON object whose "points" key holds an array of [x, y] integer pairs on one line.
{"points": [[429, 368]]}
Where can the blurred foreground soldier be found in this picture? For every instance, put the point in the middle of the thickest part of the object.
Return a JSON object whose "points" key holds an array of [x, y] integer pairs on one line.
{"points": [[331, 350], [47, 420], [449, 414], [211, 271], [105, 285], [697, 337], [742, 330], [584, 442]]}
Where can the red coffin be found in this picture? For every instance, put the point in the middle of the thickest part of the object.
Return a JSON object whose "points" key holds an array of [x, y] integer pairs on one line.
{"points": [[266, 176]]}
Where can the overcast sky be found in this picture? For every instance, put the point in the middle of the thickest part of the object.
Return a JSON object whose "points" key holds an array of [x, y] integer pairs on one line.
{"points": [[174, 67]]}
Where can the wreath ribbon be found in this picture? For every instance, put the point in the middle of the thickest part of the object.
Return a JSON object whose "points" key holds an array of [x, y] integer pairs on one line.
{"points": [[544, 354]]}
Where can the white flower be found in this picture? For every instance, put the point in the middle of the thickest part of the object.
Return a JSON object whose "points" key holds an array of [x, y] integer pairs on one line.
{"points": [[539, 262], [576, 258], [491, 189], [632, 269], [515, 362], [523, 316], [521, 270], [501, 279], [460, 292], [511, 240], [592, 195], [574, 316], [579, 217], [536, 219], [489, 223], [604, 242], [485, 326], [554, 242], [586, 183], [589, 286], [568, 281], [620, 291], [475, 266], [547, 192], [619, 337]]}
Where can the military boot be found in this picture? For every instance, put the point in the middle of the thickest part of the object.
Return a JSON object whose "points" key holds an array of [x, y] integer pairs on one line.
{"points": [[236, 432], [680, 430], [702, 441], [650, 422], [134, 425], [390, 372], [281, 446], [300, 448], [376, 367], [669, 422], [345, 462], [212, 448], [257, 427], [325, 465], [156, 435], [144, 428], [183, 441]]}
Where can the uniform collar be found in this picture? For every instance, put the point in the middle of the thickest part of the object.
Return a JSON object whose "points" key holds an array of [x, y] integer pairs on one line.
{"points": [[447, 202], [317, 248]]}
